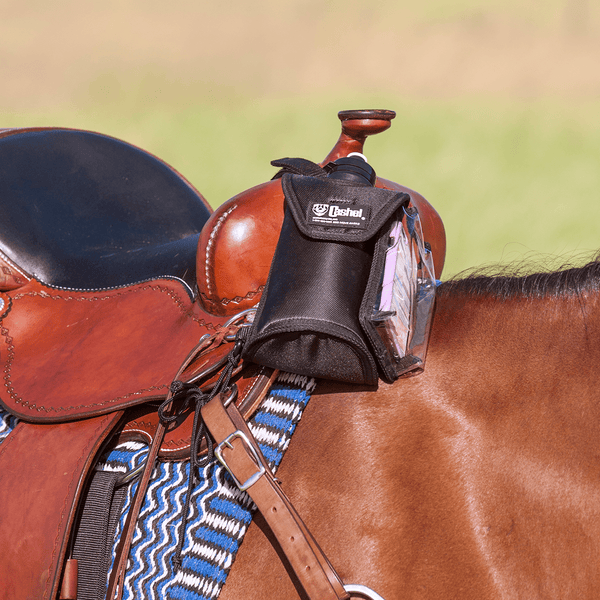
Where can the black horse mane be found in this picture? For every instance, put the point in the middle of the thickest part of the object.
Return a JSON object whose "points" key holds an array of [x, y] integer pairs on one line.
{"points": [[517, 281]]}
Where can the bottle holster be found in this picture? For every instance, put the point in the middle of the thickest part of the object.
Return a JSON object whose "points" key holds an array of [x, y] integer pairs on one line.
{"points": [[308, 321]]}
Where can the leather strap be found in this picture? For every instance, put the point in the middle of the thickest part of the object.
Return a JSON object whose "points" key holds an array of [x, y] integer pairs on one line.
{"points": [[117, 576], [239, 452]]}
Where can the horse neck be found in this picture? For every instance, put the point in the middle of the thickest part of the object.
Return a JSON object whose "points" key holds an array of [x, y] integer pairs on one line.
{"points": [[452, 471], [490, 337]]}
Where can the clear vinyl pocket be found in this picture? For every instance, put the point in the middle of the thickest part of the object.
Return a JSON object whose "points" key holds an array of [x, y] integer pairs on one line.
{"points": [[397, 308]]}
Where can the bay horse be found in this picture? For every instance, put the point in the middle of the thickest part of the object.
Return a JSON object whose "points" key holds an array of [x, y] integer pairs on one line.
{"points": [[475, 479], [479, 478]]}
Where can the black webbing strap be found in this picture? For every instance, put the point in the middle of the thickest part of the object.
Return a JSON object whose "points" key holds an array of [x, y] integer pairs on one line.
{"points": [[95, 536], [298, 166]]}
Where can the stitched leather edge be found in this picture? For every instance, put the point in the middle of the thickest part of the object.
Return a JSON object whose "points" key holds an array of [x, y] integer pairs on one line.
{"points": [[4, 332]]}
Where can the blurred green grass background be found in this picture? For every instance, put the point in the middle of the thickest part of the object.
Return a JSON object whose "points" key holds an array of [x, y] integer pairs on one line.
{"points": [[498, 120]]}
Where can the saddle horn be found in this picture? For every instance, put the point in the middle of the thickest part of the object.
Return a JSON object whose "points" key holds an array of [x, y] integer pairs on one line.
{"points": [[236, 246]]}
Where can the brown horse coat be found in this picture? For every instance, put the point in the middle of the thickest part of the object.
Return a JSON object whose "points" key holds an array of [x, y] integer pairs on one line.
{"points": [[479, 478]]}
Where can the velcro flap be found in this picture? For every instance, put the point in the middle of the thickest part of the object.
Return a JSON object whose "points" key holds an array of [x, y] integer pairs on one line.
{"points": [[338, 211]]}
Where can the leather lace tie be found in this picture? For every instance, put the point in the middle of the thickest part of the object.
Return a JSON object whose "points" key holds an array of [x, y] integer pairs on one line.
{"points": [[186, 395]]}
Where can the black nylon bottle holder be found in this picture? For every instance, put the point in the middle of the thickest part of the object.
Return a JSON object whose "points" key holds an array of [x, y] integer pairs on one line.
{"points": [[308, 319]]}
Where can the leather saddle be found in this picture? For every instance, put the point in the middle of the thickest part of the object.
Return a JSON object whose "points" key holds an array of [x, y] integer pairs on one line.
{"points": [[112, 268], [101, 240], [86, 211]]}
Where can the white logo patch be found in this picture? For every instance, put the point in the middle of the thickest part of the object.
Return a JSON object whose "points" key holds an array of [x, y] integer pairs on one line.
{"points": [[348, 216]]}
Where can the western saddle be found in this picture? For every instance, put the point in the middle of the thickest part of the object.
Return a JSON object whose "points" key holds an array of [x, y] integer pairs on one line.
{"points": [[115, 279]]}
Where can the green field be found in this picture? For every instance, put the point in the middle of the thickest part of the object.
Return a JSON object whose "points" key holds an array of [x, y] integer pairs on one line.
{"points": [[498, 104]]}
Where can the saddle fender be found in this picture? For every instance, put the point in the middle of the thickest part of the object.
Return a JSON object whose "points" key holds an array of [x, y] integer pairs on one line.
{"points": [[237, 243]]}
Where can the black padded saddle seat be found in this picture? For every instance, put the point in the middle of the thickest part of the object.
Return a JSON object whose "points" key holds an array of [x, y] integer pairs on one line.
{"points": [[85, 211]]}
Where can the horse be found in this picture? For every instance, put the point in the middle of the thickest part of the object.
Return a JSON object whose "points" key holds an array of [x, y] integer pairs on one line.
{"points": [[472, 479], [477, 479]]}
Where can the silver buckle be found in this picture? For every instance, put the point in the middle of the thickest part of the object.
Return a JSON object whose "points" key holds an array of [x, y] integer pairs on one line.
{"points": [[362, 591], [227, 442]]}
